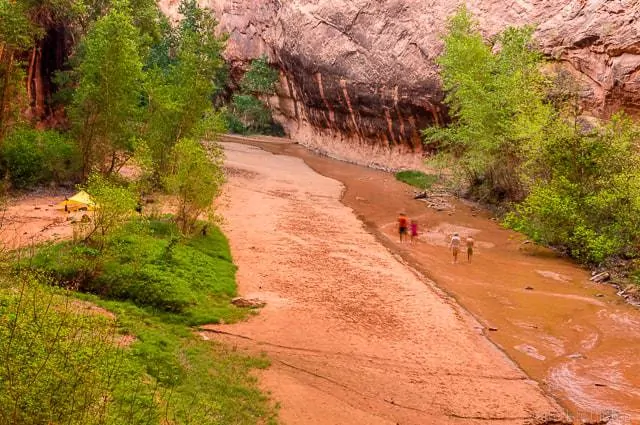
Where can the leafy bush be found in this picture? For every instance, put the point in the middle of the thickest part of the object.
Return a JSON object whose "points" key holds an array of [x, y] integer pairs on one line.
{"points": [[196, 178], [114, 205], [63, 366], [252, 115], [31, 157], [585, 191], [417, 178]]}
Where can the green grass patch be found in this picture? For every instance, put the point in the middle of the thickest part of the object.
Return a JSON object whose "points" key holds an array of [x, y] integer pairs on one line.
{"points": [[417, 179], [158, 284], [151, 265]]}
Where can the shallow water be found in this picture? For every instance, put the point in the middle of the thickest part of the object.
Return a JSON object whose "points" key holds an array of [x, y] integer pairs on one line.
{"points": [[577, 338]]}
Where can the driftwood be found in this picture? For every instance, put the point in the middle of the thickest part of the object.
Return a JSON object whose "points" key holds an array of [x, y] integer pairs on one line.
{"points": [[600, 277]]}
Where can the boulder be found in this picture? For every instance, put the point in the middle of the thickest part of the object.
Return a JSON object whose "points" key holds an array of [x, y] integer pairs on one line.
{"points": [[248, 302]]}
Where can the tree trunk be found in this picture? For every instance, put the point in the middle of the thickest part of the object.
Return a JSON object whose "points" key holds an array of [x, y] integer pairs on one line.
{"points": [[30, 75], [38, 85], [5, 90]]}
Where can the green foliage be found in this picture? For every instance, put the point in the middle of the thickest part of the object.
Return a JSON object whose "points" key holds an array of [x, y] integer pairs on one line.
{"points": [[212, 125], [185, 71], [250, 115], [114, 206], [260, 79], [191, 380], [149, 264], [17, 30], [195, 178], [31, 157], [201, 382], [497, 102], [417, 178], [517, 136], [60, 365], [585, 190], [105, 110]]}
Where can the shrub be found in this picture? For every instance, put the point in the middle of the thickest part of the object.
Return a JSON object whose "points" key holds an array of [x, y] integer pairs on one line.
{"points": [[196, 178], [250, 115], [585, 191], [63, 366], [114, 205], [31, 157], [23, 158]]}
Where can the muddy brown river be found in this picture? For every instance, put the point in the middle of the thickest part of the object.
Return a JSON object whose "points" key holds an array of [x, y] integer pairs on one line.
{"points": [[578, 339]]}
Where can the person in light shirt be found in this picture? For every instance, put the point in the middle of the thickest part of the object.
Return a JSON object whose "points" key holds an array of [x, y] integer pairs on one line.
{"points": [[454, 245]]}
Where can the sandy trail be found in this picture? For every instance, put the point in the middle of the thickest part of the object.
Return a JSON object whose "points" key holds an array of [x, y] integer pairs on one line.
{"points": [[355, 335]]}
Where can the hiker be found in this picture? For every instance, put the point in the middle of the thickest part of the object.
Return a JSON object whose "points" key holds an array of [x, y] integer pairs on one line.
{"points": [[66, 207], [414, 230], [454, 245], [470, 242], [403, 222]]}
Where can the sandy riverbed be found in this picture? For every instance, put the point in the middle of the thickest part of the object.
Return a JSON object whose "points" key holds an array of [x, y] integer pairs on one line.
{"points": [[355, 335]]}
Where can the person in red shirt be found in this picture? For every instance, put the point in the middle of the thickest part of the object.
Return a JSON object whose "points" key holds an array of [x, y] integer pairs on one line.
{"points": [[414, 230], [403, 225]]}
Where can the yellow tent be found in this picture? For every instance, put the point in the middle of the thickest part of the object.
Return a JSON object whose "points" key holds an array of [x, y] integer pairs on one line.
{"points": [[80, 201]]}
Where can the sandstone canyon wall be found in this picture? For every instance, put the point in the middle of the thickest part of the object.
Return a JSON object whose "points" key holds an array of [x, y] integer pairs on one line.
{"points": [[364, 70]]}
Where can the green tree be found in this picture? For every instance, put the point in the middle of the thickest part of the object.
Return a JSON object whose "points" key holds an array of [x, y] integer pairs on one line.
{"points": [[196, 179], [184, 72], [250, 114], [17, 33], [106, 105], [585, 190], [260, 78], [497, 102]]}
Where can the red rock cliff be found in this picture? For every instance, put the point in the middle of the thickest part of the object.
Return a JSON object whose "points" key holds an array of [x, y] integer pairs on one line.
{"points": [[365, 69]]}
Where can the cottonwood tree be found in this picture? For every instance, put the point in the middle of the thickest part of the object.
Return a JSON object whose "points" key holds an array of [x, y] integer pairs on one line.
{"points": [[185, 69], [17, 33], [497, 102], [250, 113], [106, 105]]}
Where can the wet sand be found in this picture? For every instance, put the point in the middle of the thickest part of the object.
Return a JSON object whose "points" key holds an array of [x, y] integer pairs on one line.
{"points": [[355, 335], [578, 339]]}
